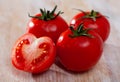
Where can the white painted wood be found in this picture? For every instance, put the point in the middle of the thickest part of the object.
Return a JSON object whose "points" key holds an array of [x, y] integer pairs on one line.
{"points": [[13, 21]]}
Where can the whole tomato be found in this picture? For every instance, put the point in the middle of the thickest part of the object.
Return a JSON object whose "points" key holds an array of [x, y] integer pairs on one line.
{"points": [[47, 23], [33, 54], [79, 50], [94, 20]]}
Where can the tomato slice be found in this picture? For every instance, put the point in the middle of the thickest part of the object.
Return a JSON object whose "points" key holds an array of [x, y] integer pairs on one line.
{"points": [[33, 54]]}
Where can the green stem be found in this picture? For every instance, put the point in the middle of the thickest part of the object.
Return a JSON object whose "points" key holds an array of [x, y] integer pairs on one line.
{"points": [[47, 15], [80, 31]]}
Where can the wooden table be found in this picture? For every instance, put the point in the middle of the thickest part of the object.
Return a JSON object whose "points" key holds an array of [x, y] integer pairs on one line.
{"points": [[13, 21]]}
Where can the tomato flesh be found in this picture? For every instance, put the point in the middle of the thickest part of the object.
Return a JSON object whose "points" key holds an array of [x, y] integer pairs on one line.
{"points": [[33, 54]]}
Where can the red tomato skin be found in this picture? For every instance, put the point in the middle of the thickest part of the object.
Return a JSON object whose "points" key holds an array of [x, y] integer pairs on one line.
{"points": [[38, 68], [52, 28], [101, 25], [80, 53]]}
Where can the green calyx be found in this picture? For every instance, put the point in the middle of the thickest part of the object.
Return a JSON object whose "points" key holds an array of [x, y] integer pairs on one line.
{"points": [[92, 15], [46, 14], [80, 31]]}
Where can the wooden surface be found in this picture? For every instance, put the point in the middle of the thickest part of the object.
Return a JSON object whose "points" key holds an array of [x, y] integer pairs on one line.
{"points": [[13, 21]]}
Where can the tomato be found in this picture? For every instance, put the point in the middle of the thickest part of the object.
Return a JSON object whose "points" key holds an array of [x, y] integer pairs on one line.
{"points": [[47, 23], [79, 50], [94, 20], [33, 54]]}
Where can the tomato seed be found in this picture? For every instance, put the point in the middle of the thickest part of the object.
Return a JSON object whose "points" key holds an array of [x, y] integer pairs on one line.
{"points": [[21, 42], [45, 57], [44, 46], [17, 48], [17, 51], [45, 52], [19, 45], [19, 58], [35, 61], [26, 41], [32, 68]]}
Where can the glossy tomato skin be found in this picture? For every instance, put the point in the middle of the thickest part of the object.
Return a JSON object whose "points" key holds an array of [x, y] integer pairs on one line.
{"points": [[101, 25], [33, 54], [52, 28], [79, 53]]}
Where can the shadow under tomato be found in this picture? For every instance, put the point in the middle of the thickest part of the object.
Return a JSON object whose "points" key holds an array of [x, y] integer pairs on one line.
{"points": [[57, 62], [37, 74]]}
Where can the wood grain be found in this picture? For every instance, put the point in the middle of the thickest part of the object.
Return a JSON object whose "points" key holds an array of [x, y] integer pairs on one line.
{"points": [[13, 22]]}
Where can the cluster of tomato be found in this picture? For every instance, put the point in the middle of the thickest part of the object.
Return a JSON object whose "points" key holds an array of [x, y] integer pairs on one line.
{"points": [[78, 45]]}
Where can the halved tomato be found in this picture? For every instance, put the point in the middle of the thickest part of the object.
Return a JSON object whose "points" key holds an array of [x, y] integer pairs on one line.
{"points": [[33, 54]]}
